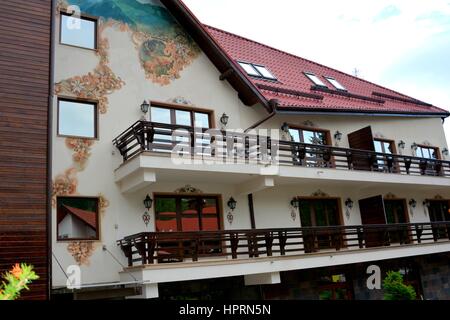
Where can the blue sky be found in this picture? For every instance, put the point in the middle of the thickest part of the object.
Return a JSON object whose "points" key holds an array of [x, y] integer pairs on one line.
{"points": [[401, 44]]}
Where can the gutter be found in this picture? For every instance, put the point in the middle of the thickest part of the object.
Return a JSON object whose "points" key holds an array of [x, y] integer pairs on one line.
{"points": [[333, 112]]}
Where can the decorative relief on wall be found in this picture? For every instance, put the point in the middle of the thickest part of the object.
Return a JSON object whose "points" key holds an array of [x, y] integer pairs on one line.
{"points": [[308, 123], [64, 184], [103, 203], [390, 196], [319, 193], [163, 47], [188, 189], [81, 251], [82, 151], [181, 100], [379, 135], [438, 197]]}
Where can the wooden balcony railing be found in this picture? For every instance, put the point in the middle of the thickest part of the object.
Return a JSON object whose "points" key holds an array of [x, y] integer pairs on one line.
{"points": [[156, 137], [164, 247]]}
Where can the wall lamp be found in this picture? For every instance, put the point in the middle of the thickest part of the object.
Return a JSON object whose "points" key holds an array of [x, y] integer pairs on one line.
{"points": [[445, 152], [412, 203], [338, 136], [144, 107], [285, 127], [147, 204], [232, 204], [295, 203], [402, 144], [426, 203], [414, 146], [349, 203], [224, 119]]}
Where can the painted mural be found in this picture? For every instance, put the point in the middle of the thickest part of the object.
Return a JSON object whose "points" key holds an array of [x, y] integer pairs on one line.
{"points": [[162, 46], [163, 50]]}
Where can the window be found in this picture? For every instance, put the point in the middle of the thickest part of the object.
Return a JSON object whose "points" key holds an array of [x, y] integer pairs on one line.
{"points": [[396, 213], [77, 119], [384, 146], [77, 218], [182, 117], [311, 136], [255, 70], [336, 84], [319, 213], [427, 152], [187, 213], [80, 32], [265, 72], [315, 79], [251, 71]]}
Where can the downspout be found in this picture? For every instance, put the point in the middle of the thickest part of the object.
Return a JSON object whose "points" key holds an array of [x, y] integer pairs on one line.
{"points": [[273, 105], [49, 149]]}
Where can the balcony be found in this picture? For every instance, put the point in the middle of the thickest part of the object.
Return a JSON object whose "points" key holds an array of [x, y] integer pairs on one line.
{"points": [[176, 247], [145, 147]]}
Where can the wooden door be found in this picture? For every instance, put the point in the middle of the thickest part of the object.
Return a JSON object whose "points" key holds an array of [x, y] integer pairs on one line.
{"points": [[362, 140], [372, 213]]}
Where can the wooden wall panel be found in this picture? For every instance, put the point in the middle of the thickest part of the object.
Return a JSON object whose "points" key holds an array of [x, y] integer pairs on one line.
{"points": [[25, 51]]}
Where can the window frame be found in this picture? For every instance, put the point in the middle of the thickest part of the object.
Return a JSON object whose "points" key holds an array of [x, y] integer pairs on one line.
{"points": [[98, 231], [307, 74], [178, 213], [343, 89], [259, 74], [313, 129], [391, 142], [80, 101], [83, 16], [436, 149], [173, 107]]}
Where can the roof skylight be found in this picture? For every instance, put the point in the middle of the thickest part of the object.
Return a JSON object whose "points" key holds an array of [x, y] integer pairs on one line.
{"points": [[255, 70], [251, 71], [336, 84], [264, 72], [315, 79]]}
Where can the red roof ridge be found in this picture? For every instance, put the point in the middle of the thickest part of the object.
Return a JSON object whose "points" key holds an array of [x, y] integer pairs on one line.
{"points": [[313, 62], [83, 215]]}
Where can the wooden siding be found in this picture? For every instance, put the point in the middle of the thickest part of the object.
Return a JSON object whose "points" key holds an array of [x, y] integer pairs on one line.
{"points": [[25, 46]]}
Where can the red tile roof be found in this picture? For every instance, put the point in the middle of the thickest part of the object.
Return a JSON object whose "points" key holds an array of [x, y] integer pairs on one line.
{"points": [[294, 91], [88, 217]]}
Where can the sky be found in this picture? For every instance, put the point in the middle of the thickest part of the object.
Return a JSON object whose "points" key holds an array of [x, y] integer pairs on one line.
{"points": [[401, 44]]}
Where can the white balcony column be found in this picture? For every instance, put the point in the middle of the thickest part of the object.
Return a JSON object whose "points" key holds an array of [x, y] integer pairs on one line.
{"points": [[262, 278]]}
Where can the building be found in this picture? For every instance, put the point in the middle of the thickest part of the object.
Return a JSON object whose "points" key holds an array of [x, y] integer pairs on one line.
{"points": [[289, 178]]}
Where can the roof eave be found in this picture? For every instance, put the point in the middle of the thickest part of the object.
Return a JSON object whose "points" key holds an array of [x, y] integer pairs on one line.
{"points": [[337, 112], [248, 93]]}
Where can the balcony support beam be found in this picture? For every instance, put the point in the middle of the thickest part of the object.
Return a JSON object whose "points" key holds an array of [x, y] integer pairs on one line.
{"points": [[136, 181], [255, 185], [262, 278]]}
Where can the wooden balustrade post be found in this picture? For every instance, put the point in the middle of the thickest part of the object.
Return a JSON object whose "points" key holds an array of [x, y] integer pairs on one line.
{"points": [[282, 239], [360, 232], [234, 243], [269, 243]]}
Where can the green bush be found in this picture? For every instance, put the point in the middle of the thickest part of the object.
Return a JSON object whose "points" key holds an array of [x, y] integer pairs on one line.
{"points": [[16, 280], [395, 289]]}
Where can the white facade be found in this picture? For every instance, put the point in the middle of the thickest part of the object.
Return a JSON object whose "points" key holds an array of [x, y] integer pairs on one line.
{"points": [[123, 186]]}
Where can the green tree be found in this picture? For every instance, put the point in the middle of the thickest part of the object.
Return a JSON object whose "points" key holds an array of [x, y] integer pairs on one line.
{"points": [[16, 280], [396, 289]]}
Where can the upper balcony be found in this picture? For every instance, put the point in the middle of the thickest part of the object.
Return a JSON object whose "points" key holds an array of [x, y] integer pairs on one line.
{"points": [[257, 161]]}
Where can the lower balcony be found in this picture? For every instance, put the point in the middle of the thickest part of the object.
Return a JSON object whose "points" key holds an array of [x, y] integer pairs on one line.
{"points": [[154, 248]]}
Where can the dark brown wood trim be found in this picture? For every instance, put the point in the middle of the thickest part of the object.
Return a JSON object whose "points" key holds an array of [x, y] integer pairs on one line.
{"points": [[96, 239], [79, 100], [83, 16], [252, 211]]}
